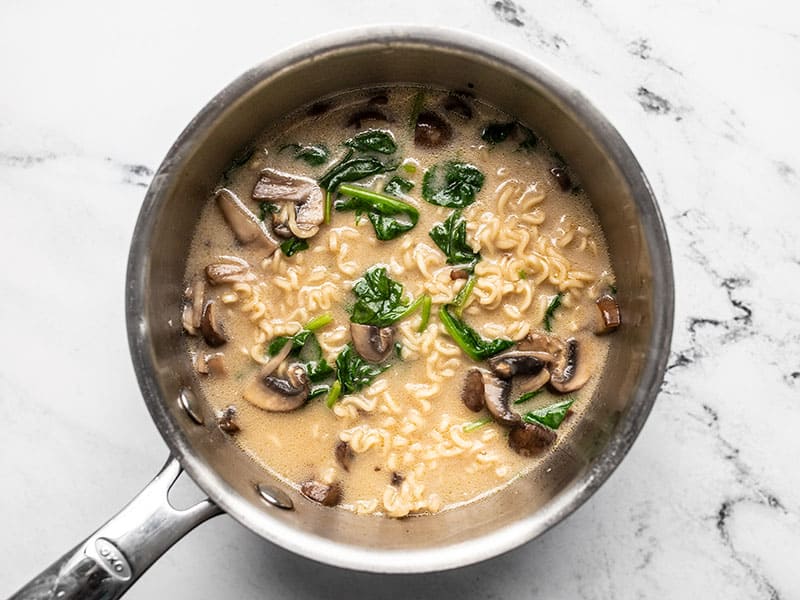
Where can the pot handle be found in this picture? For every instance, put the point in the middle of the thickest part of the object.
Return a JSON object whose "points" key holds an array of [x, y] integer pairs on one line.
{"points": [[106, 564]]}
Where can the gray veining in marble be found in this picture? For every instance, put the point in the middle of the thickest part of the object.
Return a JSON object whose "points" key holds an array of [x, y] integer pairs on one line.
{"points": [[706, 93]]}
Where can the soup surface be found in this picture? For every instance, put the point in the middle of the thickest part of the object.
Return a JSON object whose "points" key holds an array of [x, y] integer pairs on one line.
{"points": [[427, 368]]}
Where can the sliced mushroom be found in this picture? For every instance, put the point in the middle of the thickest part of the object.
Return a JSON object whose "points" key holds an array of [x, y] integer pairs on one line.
{"points": [[344, 454], [545, 344], [609, 313], [319, 108], [371, 342], [367, 114], [533, 382], [303, 209], [567, 372], [378, 99], [211, 326], [482, 385], [432, 131], [247, 228], [226, 421], [275, 394], [530, 439], [472, 394], [231, 269], [327, 495], [193, 307], [456, 104], [517, 362], [397, 479], [459, 274], [562, 178]]}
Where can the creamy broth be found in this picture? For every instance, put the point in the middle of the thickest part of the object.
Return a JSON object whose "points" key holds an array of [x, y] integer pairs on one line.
{"points": [[413, 445]]}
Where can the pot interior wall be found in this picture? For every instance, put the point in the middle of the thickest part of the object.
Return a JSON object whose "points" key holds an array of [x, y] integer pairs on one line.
{"points": [[224, 128]]}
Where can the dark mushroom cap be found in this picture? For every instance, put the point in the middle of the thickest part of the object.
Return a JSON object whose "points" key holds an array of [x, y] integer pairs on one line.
{"points": [[231, 269], [276, 394], [530, 439], [432, 131], [371, 342], [344, 454], [367, 114], [457, 105], [609, 313], [516, 362], [472, 394], [226, 421], [562, 178], [211, 326], [567, 372], [482, 388], [327, 495]]}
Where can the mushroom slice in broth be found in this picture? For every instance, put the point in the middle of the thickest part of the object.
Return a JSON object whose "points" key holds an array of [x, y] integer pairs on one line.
{"points": [[247, 228], [276, 394], [569, 373], [211, 326], [373, 343], [301, 200]]}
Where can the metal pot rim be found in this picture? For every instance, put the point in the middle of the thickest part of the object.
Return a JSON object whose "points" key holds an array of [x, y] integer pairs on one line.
{"points": [[500, 540]]}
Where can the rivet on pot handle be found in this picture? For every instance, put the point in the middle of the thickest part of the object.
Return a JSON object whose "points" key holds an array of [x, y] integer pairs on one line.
{"points": [[106, 564]]}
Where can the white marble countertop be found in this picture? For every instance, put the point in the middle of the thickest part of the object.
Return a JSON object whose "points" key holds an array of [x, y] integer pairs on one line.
{"points": [[707, 502]]}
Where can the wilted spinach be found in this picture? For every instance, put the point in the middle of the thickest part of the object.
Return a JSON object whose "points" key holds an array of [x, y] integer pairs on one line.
{"points": [[550, 311], [349, 169], [266, 208], [455, 188], [389, 217], [373, 140], [353, 372], [397, 186], [379, 299], [312, 154], [551, 416], [451, 237], [293, 245], [470, 341]]}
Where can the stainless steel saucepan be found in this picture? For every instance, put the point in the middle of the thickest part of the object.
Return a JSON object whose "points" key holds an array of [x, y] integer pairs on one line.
{"points": [[112, 558]]}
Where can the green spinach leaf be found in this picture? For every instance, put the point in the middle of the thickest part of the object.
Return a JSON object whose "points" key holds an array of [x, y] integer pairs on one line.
{"points": [[460, 301], [551, 416], [389, 217], [353, 372], [528, 396], [312, 154], [550, 311], [373, 140], [470, 341], [379, 299], [388, 228], [349, 169], [451, 237], [293, 245], [398, 186], [306, 348], [266, 208], [456, 188]]}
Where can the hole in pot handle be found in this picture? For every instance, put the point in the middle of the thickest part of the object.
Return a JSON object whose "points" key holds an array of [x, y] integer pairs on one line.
{"points": [[107, 563]]}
